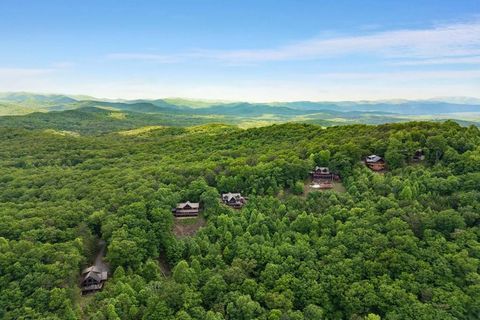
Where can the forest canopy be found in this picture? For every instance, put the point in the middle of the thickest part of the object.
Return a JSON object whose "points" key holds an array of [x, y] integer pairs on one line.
{"points": [[402, 244]]}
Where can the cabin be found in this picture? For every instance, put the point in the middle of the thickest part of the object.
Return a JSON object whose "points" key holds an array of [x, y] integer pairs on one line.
{"points": [[374, 162], [234, 200], [187, 209], [93, 279], [321, 173], [324, 173], [418, 156]]}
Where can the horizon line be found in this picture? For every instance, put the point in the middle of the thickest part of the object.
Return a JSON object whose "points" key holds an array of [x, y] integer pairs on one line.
{"points": [[77, 96]]}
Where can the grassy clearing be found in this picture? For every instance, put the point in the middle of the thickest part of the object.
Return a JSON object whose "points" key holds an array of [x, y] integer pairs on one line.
{"points": [[117, 115], [337, 187], [187, 226], [139, 131], [63, 133]]}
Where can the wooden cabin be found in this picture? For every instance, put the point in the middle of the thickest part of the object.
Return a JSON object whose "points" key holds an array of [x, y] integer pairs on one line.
{"points": [[374, 162], [321, 173], [93, 279], [418, 156], [187, 209], [324, 173], [234, 200]]}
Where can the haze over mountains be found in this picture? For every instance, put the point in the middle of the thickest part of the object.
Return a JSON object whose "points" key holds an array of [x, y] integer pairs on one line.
{"points": [[68, 112]]}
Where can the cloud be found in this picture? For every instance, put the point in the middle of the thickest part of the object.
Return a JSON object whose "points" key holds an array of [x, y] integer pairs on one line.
{"points": [[436, 75], [25, 79], [23, 72], [160, 58], [442, 41], [434, 61], [63, 65], [416, 84]]}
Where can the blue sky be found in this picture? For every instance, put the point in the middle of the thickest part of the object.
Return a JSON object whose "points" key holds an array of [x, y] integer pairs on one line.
{"points": [[261, 50]]}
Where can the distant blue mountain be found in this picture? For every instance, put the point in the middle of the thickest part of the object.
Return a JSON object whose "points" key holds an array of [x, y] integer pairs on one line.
{"points": [[39, 102], [406, 108]]}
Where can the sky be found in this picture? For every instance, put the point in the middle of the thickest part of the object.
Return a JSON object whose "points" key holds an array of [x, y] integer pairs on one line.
{"points": [[249, 50]]}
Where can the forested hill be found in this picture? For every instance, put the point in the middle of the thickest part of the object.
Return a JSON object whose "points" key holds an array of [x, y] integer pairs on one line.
{"points": [[62, 112], [94, 121], [403, 244], [98, 120]]}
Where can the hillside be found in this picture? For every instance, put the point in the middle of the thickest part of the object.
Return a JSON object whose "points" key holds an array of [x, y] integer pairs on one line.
{"points": [[33, 98], [99, 117], [404, 107], [398, 245], [248, 114], [94, 120]]}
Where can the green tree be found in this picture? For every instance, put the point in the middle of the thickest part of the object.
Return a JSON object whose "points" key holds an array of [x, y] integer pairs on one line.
{"points": [[394, 155]]}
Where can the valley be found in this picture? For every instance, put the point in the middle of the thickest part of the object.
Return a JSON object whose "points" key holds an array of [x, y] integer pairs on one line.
{"points": [[64, 113]]}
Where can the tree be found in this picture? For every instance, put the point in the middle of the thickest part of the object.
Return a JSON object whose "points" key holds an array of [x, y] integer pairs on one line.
{"points": [[151, 271], [436, 146], [243, 308], [406, 193], [322, 158], [182, 273], [214, 288], [122, 252], [445, 221], [394, 155], [313, 312], [298, 188]]}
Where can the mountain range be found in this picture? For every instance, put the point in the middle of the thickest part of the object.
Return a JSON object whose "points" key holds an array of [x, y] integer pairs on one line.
{"points": [[63, 111]]}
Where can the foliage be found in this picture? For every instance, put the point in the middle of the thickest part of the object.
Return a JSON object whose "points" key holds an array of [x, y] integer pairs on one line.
{"points": [[401, 245]]}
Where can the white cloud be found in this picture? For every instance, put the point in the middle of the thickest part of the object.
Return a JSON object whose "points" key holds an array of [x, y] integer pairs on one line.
{"points": [[437, 75], [160, 58], [441, 45], [442, 41], [26, 79], [454, 40], [438, 61], [13, 73], [320, 86], [63, 65]]}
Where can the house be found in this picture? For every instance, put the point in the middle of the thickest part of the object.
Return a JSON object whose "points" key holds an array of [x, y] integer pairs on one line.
{"points": [[374, 162], [187, 209], [321, 173], [324, 173], [419, 155], [233, 199], [93, 279]]}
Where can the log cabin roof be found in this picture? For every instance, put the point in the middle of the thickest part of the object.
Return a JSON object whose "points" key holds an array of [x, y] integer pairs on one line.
{"points": [[188, 204], [91, 269], [373, 158], [95, 273], [229, 196], [97, 276], [322, 169]]}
